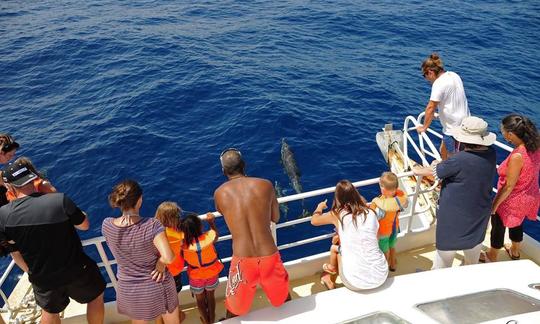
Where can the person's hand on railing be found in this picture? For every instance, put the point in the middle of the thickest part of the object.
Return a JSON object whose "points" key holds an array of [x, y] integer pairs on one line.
{"points": [[422, 171], [421, 128], [321, 206], [158, 272]]}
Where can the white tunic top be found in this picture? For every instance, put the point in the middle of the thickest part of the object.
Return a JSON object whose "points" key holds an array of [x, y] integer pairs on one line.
{"points": [[363, 265], [448, 91]]}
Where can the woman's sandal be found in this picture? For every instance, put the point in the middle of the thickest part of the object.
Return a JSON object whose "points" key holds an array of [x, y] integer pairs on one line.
{"points": [[484, 258], [326, 281], [326, 268], [509, 252]]}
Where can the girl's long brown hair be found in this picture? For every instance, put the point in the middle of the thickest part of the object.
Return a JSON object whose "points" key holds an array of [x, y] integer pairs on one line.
{"points": [[347, 198]]}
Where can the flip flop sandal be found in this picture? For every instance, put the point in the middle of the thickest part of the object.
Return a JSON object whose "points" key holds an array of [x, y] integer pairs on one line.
{"points": [[509, 252], [484, 258], [326, 268], [325, 283]]}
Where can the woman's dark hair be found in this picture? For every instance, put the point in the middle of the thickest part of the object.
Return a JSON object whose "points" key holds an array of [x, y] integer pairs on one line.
{"points": [[524, 129], [347, 198], [125, 195], [191, 226], [433, 63]]}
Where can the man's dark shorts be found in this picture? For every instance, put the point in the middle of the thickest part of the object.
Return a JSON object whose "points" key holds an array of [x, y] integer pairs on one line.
{"points": [[84, 289]]}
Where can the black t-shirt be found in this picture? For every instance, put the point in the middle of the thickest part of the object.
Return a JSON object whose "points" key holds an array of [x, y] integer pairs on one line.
{"points": [[42, 227]]}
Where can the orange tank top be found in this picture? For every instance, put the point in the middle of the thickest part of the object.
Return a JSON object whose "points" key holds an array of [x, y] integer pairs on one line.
{"points": [[175, 239]]}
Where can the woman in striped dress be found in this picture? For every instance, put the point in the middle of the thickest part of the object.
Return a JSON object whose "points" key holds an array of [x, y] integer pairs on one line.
{"points": [[146, 289]]}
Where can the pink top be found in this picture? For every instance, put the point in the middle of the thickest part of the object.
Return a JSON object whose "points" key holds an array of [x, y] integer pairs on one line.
{"points": [[524, 199]]}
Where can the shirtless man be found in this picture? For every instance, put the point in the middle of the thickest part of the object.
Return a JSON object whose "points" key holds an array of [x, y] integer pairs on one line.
{"points": [[248, 206]]}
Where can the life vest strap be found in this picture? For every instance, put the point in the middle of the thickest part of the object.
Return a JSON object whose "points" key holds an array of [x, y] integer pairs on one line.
{"points": [[204, 264]]}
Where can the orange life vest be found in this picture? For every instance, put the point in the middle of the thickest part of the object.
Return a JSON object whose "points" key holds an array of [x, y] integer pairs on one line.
{"points": [[175, 239], [387, 210], [201, 257]]}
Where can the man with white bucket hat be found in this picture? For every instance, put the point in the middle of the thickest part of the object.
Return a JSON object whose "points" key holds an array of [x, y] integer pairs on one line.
{"points": [[465, 199]]}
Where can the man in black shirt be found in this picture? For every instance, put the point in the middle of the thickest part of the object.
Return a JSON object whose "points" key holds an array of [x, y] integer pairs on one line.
{"points": [[39, 230]]}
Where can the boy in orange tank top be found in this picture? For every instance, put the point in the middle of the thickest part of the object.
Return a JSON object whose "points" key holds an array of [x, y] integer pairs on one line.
{"points": [[387, 207]]}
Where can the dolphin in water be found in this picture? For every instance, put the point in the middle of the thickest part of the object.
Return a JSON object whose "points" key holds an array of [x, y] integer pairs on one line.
{"points": [[289, 164], [292, 170]]}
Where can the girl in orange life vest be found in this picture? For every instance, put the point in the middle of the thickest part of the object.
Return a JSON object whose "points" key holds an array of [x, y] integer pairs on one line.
{"points": [[168, 213], [203, 263]]}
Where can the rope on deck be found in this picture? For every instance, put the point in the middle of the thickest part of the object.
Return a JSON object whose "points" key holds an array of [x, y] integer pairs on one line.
{"points": [[27, 311]]}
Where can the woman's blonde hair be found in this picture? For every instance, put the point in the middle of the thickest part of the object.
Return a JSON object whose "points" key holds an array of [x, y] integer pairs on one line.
{"points": [[168, 213]]}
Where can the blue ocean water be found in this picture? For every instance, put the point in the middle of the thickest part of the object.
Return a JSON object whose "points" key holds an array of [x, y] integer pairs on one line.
{"points": [[153, 90]]}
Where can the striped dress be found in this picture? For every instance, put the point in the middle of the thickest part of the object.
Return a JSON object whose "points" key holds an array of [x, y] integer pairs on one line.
{"points": [[138, 296]]}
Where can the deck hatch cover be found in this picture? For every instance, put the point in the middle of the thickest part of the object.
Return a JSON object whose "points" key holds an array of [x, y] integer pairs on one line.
{"points": [[479, 307], [377, 318]]}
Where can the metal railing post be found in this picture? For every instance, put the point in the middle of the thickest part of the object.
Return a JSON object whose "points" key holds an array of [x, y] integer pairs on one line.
{"points": [[415, 198], [106, 264]]}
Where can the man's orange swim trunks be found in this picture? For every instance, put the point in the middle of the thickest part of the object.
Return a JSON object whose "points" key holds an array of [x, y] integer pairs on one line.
{"points": [[246, 273]]}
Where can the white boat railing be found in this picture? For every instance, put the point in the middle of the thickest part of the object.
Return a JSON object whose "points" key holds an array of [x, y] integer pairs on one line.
{"points": [[107, 263]]}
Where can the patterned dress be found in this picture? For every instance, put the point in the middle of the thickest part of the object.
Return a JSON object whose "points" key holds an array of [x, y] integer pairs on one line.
{"points": [[138, 296], [524, 199]]}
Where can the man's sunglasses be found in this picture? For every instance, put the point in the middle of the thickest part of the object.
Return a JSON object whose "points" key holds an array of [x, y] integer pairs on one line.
{"points": [[11, 146]]}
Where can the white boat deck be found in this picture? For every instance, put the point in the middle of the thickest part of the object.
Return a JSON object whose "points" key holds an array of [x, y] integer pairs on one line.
{"points": [[308, 293]]}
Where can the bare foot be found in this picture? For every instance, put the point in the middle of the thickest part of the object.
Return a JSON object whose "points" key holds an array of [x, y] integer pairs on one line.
{"points": [[182, 316]]}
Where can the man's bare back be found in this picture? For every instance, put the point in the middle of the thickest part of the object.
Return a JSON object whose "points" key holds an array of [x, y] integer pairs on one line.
{"points": [[248, 206]]}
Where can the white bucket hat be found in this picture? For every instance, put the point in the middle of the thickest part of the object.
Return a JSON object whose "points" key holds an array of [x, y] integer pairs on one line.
{"points": [[473, 130]]}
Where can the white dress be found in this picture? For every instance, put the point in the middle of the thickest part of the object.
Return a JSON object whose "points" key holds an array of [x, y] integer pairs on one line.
{"points": [[363, 265]]}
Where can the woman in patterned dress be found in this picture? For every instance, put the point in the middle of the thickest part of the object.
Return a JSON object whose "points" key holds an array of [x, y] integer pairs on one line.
{"points": [[517, 189], [145, 289]]}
